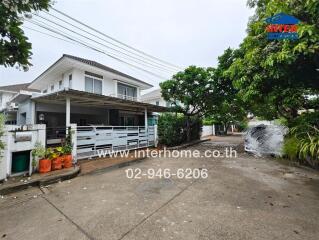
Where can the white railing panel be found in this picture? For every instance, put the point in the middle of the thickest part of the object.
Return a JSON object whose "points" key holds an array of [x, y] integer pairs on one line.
{"points": [[91, 139]]}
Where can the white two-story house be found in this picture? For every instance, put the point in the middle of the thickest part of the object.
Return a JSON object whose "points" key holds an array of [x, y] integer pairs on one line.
{"points": [[97, 98], [81, 91]]}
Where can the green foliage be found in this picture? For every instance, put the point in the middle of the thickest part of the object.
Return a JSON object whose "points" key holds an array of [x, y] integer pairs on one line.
{"points": [[172, 129], [67, 146], [67, 149], [190, 91], [309, 148], [242, 125], [38, 152], [230, 108], [208, 121], [52, 153], [291, 147], [275, 77], [14, 45], [303, 140]]}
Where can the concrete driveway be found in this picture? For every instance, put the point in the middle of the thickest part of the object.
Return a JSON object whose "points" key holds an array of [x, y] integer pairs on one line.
{"points": [[242, 198]]}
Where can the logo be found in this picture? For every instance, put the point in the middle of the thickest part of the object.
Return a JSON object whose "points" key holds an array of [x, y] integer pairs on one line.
{"points": [[282, 26]]}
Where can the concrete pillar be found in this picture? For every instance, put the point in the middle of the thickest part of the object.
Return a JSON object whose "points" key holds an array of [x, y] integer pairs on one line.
{"points": [[33, 114], [74, 141], [68, 112], [155, 136], [145, 114], [214, 131]]}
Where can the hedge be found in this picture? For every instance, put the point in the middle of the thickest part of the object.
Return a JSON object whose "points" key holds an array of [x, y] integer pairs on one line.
{"points": [[172, 129]]}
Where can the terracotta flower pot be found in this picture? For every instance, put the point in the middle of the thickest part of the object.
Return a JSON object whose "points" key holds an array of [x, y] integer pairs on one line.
{"points": [[67, 161], [44, 165], [57, 163]]}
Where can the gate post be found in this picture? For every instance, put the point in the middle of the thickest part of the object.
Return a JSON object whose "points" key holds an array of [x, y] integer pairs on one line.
{"points": [[74, 141], [155, 136]]}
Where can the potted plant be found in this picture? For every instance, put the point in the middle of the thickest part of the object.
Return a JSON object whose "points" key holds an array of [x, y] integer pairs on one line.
{"points": [[38, 153], [57, 158], [41, 154], [67, 150]]}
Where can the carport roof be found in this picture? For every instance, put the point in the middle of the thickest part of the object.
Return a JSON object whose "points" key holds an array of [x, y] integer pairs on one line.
{"points": [[96, 100]]}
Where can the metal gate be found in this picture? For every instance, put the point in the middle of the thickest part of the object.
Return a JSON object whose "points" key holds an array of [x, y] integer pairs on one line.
{"points": [[93, 139]]}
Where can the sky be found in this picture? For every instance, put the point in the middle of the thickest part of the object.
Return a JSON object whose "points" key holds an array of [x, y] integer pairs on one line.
{"points": [[183, 32]]}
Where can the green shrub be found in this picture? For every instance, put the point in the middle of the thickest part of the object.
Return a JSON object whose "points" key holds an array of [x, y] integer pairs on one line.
{"points": [[242, 126], [291, 147], [309, 149], [303, 140], [208, 121], [172, 129]]}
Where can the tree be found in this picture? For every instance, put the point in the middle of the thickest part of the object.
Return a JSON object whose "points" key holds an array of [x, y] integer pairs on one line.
{"points": [[190, 92], [14, 45], [276, 77], [230, 108]]}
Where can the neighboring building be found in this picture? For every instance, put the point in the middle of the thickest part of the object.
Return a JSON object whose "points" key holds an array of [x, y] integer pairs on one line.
{"points": [[8, 108], [155, 97]]}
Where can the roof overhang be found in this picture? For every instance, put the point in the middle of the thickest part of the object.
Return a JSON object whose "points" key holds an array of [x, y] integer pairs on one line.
{"points": [[95, 100], [22, 96]]}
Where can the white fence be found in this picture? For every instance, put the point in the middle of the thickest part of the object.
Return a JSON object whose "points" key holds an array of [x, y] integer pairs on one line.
{"points": [[93, 139]]}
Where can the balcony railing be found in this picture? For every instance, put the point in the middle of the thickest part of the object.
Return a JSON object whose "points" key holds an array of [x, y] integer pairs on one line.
{"points": [[126, 97]]}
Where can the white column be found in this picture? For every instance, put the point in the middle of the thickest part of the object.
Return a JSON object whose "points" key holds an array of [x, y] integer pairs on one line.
{"points": [[214, 132], [232, 128], [155, 136], [145, 114], [32, 112], [74, 142], [67, 112]]}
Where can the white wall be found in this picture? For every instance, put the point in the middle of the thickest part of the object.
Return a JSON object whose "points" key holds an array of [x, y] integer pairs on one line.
{"points": [[109, 86], [38, 134], [208, 130], [161, 101], [25, 107], [5, 97]]}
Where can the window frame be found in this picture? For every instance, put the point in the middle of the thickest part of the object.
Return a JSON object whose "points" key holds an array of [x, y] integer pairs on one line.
{"points": [[70, 80], [94, 80], [60, 84], [126, 90]]}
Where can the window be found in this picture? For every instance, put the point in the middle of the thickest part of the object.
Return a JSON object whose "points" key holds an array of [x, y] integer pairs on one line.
{"points": [[126, 92], [60, 84], [52, 88], [93, 85], [89, 84], [70, 81], [168, 104], [157, 103]]}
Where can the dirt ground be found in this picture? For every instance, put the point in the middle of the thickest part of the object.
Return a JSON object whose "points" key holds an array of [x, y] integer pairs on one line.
{"points": [[243, 197]]}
